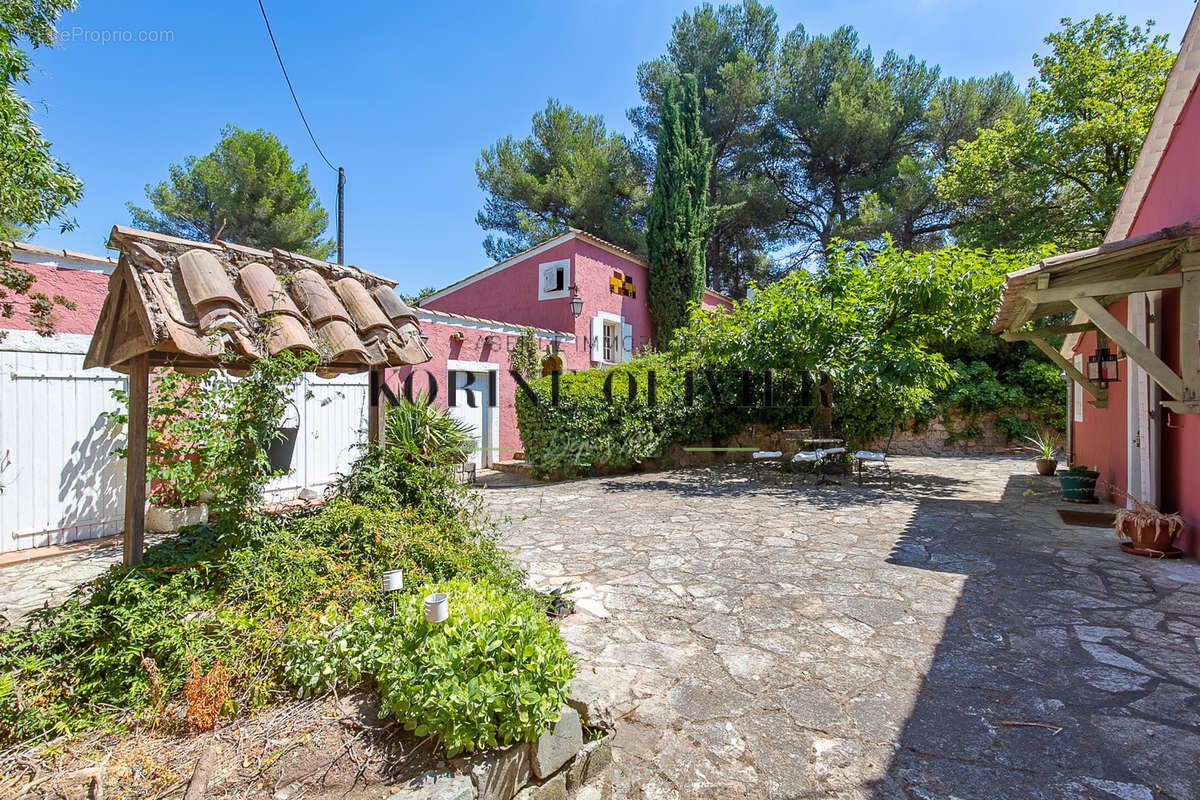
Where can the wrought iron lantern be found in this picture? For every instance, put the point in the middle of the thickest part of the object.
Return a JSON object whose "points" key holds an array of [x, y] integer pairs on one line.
{"points": [[1102, 367], [576, 301]]}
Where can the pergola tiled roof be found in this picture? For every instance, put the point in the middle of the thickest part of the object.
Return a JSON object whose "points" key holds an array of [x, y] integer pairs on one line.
{"points": [[199, 305], [191, 304]]}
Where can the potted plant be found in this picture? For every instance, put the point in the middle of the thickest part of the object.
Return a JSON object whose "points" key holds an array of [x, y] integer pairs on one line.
{"points": [[1149, 531], [1045, 445], [1078, 484]]}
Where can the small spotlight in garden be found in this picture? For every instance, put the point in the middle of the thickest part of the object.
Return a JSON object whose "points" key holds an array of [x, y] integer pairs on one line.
{"points": [[393, 580], [437, 607]]}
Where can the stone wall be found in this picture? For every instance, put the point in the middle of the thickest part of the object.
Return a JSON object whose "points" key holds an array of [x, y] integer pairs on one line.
{"points": [[932, 439], [937, 439]]}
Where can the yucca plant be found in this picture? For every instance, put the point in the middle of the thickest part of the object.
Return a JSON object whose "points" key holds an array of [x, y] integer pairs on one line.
{"points": [[427, 433], [1044, 443]]}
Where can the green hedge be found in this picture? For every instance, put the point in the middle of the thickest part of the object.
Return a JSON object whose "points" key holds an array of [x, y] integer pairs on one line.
{"points": [[585, 429]]}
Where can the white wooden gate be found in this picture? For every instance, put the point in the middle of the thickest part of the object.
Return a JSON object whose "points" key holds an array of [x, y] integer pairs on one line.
{"points": [[62, 483]]}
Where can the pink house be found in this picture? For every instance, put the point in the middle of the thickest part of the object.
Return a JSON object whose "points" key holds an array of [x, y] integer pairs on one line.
{"points": [[473, 324], [1136, 303]]}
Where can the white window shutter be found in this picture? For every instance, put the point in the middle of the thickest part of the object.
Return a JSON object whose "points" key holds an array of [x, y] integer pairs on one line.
{"points": [[549, 277], [597, 339], [626, 341]]}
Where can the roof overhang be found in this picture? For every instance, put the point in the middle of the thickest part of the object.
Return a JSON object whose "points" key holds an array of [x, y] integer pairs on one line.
{"points": [[1107, 272], [1088, 281]]}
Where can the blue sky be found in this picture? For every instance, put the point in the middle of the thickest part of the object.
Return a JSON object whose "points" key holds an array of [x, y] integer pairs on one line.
{"points": [[405, 97]]}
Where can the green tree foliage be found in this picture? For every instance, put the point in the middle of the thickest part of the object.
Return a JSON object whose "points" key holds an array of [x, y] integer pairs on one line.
{"points": [[1055, 173], [843, 124], [877, 323], [247, 190], [569, 172], [677, 222], [731, 52], [34, 186], [907, 206]]}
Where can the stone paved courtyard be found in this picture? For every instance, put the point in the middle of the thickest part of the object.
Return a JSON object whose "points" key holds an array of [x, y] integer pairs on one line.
{"points": [[773, 639], [947, 637]]}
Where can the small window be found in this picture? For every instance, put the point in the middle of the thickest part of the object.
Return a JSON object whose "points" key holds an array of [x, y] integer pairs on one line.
{"points": [[612, 342], [554, 279]]}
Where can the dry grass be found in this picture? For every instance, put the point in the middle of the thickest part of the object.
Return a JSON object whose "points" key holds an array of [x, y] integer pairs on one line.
{"points": [[314, 749]]}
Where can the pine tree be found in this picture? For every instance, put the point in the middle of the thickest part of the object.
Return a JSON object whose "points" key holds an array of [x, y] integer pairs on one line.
{"points": [[677, 226]]}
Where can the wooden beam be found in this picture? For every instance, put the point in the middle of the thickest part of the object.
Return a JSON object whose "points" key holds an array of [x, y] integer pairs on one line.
{"points": [[376, 409], [135, 459], [1189, 335], [1042, 333], [1163, 375], [1142, 283], [1099, 393]]}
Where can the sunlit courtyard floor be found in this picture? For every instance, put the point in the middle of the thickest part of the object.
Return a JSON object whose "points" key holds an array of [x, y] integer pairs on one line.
{"points": [[945, 637]]}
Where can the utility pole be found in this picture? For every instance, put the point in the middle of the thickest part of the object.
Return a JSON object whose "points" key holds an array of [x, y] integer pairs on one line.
{"points": [[341, 215]]}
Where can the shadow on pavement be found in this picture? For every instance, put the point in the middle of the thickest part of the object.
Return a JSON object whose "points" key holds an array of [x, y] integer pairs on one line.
{"points": [[1066, 670]]}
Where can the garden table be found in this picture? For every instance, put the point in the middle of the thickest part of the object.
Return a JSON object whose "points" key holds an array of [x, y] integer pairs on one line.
{"points": [[821, 455]]}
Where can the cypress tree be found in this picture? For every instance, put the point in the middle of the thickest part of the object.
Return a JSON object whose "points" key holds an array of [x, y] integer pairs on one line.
{"points": [[677, 224]]}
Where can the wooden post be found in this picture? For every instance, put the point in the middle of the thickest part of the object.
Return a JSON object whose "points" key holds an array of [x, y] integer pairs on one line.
{"points": [[1189, 328], [376, 409], [135, 460]]}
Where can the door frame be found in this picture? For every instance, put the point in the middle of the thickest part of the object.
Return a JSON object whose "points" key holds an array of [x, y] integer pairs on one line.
{"points": [[490, 440], [1143, 438]]}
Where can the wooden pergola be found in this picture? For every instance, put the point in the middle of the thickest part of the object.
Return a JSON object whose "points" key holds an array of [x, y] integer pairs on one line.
{"points": [[1089, 281], [194, 306]]}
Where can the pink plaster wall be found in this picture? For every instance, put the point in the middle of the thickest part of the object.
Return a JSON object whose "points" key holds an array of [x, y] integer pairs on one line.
{"points": [[1173, 196], [511, 296], [85, 288], [1099, 441]]}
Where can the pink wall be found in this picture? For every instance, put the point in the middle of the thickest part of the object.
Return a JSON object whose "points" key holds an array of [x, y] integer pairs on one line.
{"points": [[83, 287], [471, 348], [1173, 196], [510, 296], [1099, 441]]}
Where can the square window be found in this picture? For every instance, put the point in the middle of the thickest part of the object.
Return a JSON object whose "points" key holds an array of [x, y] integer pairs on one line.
{"points": [[554, 279]]}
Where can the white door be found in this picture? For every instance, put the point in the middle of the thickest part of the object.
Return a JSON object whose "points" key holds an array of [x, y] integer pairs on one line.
{"points": [[468, 403], [1142, 403]]}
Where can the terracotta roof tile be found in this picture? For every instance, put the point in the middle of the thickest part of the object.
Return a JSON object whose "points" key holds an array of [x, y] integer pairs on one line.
{"points": [[191, 303]]}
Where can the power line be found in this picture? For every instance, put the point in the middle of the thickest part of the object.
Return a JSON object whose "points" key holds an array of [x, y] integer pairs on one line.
{"points": [[295, 99]]}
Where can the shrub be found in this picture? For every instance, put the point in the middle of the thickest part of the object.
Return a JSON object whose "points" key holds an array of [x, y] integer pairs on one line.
{"points": [[494, 673], [423, 432], [233, 594]]}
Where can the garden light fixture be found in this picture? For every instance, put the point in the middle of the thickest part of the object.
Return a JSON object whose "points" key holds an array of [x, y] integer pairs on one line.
{"points": [[576, 301], [1102, 367], [437, 607]]}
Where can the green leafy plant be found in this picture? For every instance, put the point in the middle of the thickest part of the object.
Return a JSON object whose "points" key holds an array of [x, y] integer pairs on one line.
{"points": [[1044, 444], [525, 357], [422, 431], [210, 433], [494, 673]]}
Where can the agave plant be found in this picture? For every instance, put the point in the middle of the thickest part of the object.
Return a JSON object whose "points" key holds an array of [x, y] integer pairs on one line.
{"points": [[1044, 443], [425, 432]]}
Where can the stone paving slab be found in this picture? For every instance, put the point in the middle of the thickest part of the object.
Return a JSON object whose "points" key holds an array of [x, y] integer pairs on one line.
{"points": [[778, 640]]}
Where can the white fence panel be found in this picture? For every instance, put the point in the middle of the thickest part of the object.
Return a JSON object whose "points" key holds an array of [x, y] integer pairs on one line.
{"points": [[62, 482], [333, 422]]}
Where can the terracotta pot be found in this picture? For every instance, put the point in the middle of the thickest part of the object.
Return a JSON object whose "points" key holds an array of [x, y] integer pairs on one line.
{"points": [[1147, 537], [1046, 466]]}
